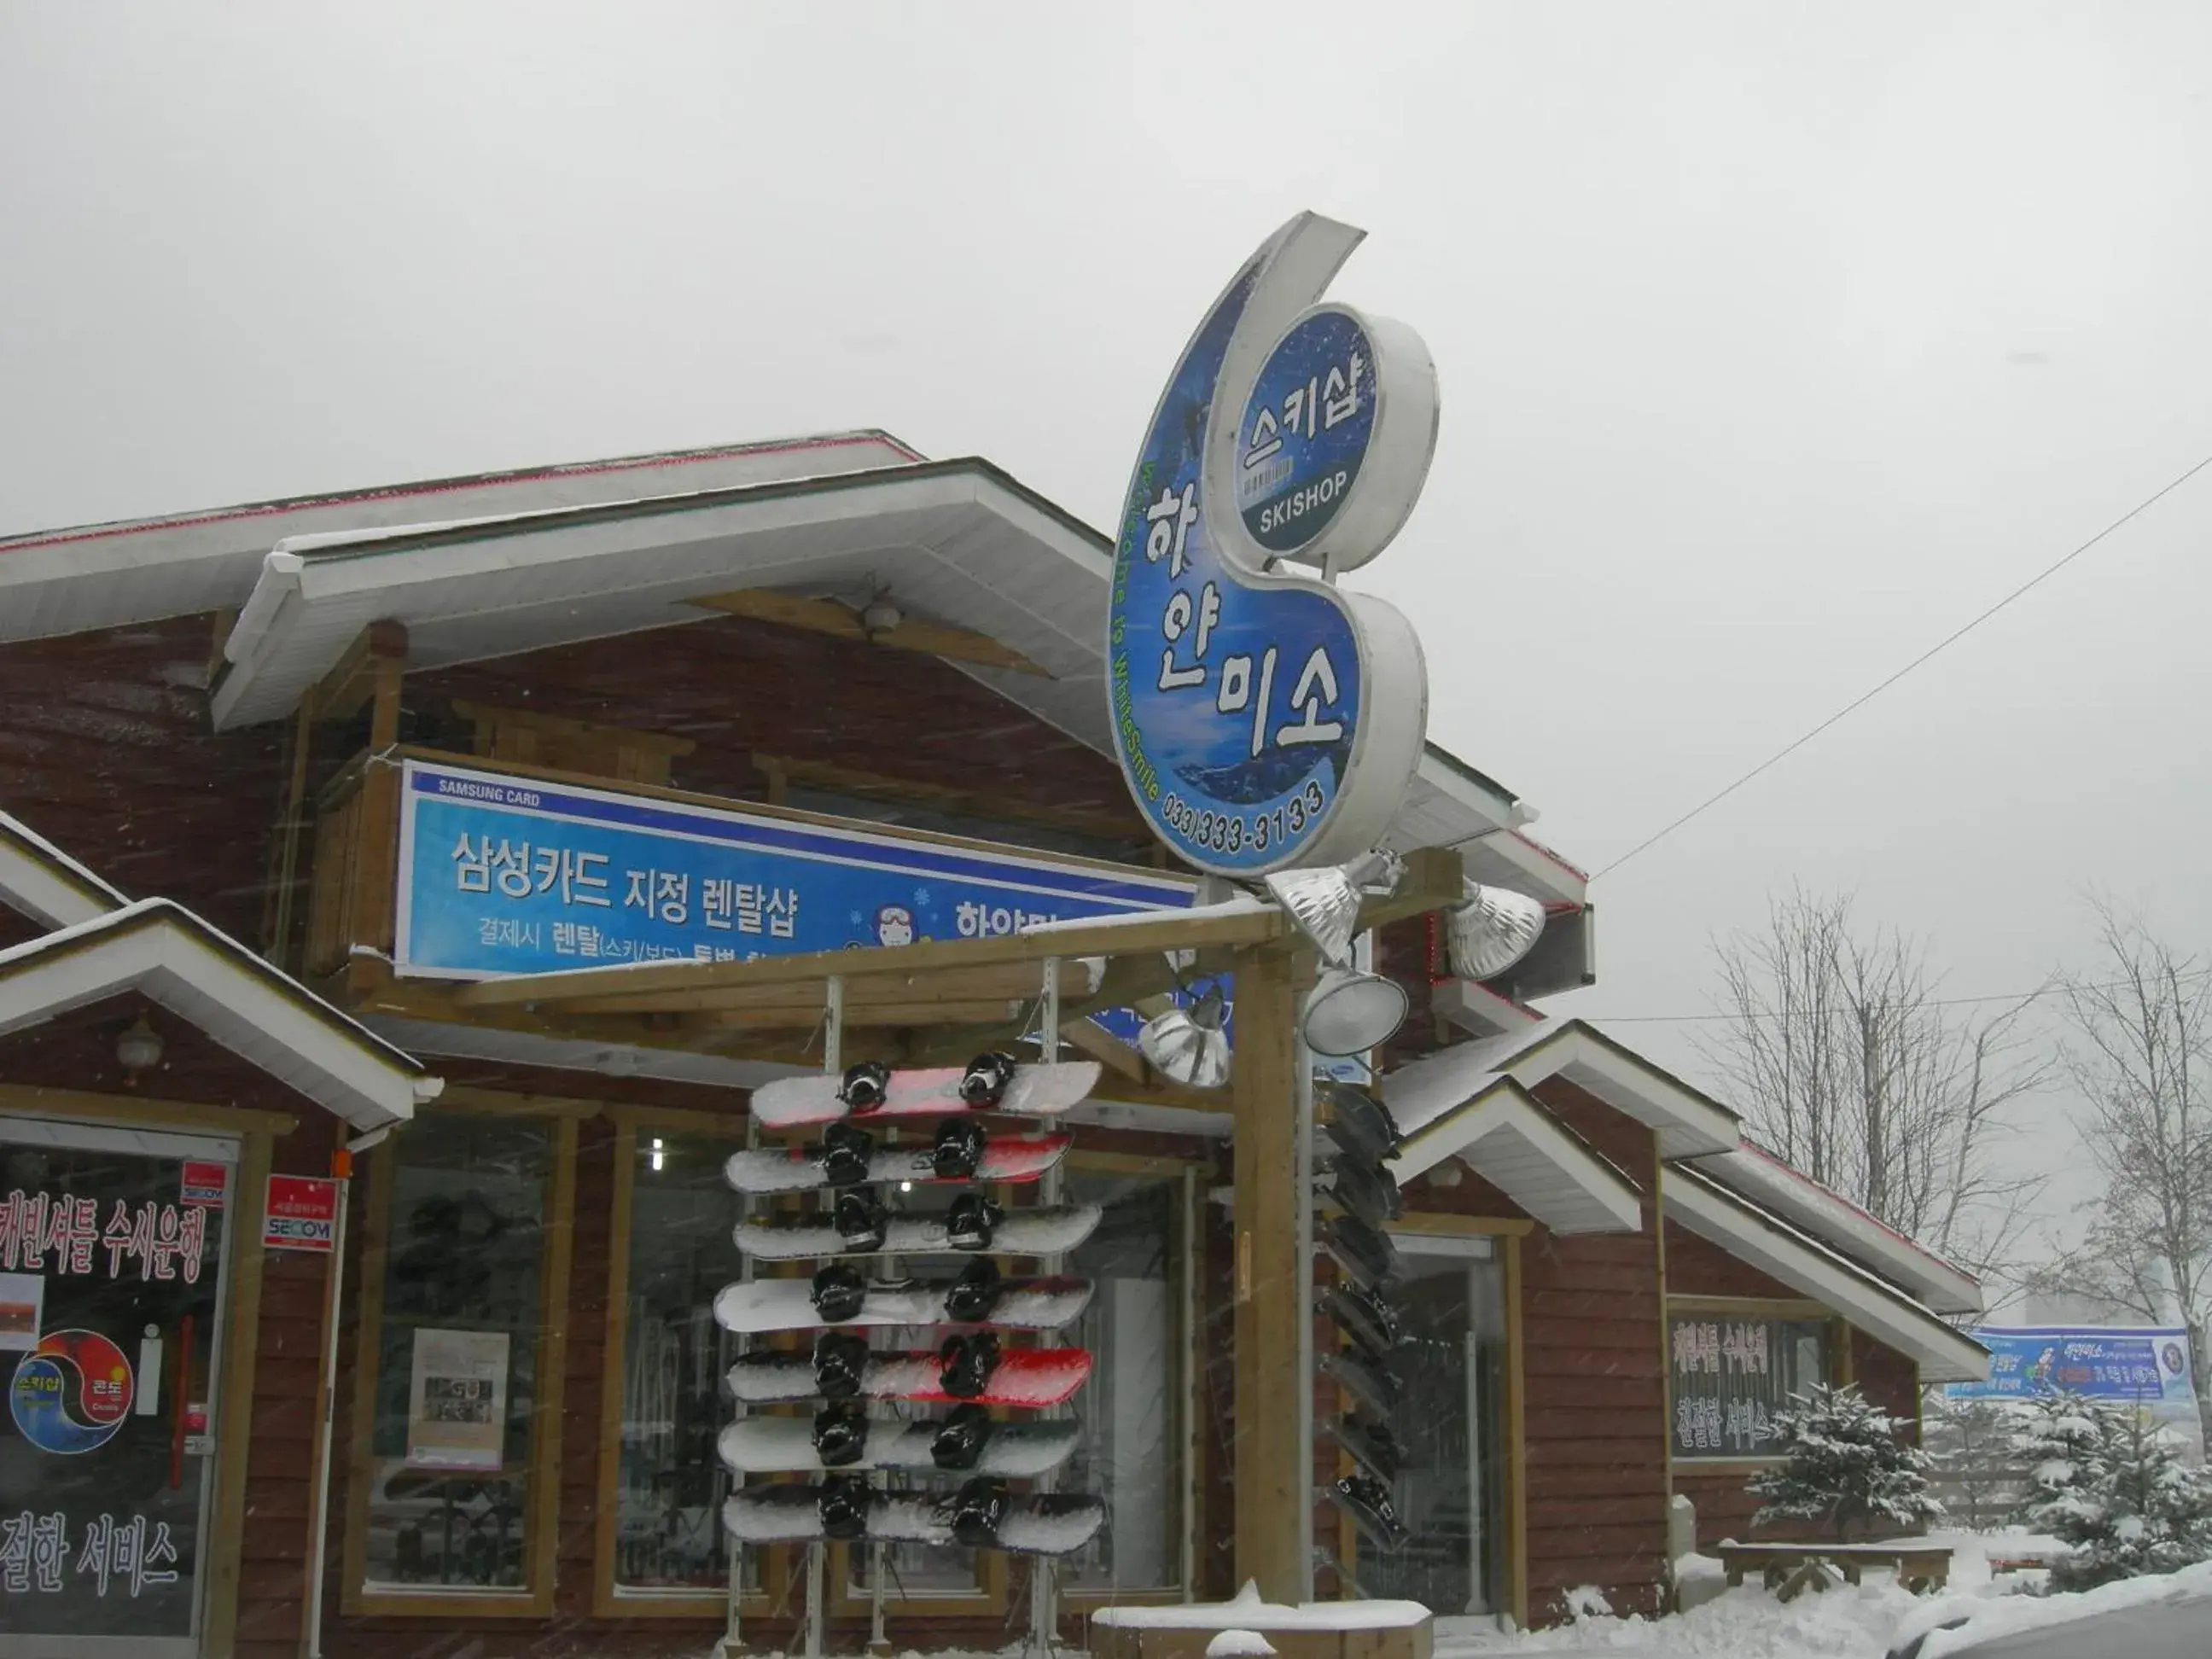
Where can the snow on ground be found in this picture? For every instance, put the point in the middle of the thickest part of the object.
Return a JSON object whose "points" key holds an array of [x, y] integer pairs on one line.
{"points": [[1988, 1618], [1750, 1623]]}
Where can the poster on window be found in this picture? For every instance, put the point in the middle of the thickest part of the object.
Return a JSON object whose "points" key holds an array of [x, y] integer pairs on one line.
{"points": [[1727, 1377], [457, 1400]]}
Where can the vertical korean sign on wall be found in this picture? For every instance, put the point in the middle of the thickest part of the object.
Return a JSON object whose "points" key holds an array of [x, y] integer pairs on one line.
{"points": [[1265, 719]]}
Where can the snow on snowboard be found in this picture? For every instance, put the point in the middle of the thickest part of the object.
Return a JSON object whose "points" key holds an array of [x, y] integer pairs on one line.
{"points": [[989, 1083], [975, 1225], [848, 1157], [969, 1440], [839, 1296], [967, 1367], [981, 1515]]}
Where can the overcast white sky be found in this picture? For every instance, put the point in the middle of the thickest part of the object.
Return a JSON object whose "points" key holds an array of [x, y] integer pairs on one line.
{"points": [[1774, 342]]}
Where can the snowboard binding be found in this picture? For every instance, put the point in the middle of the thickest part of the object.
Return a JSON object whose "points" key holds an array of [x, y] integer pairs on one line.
{"points": [[976, 1510], [974, 1220], [1372, 1446], [960, 1439], [973, 1295], [983, 1084], [866, 1087], [956, 1150], [840, 1434], [1364, 1188], [966, 1363], [844, 1506], [839, 1293], [845, 1152], [840, 1365], [1368, 1501], [1366, 1251], [860, 1219]]}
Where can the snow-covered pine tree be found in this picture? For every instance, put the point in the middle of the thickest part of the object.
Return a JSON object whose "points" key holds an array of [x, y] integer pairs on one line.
{"points": [[2111, 1487], [1845, 1464]]}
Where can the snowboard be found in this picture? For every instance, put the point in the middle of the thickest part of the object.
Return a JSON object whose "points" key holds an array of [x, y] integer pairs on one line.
{"points": [[775, 1445], [1025, 1377], [788, 1304], [1030, 1090], [1022, 1232], [1047, 1524], [770, 1171], [1367, 1501], [1373, 1390], [1372, 1446]]}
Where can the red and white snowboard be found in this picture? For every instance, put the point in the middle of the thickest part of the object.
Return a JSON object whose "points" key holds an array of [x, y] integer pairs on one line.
{"points": [[1023, 1232], [1032, 1090], [1031, 1378]]}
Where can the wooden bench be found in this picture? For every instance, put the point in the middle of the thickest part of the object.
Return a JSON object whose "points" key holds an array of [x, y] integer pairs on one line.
{"points": [[1792, 1568]]}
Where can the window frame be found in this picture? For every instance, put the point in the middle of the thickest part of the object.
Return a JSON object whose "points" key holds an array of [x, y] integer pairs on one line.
{"points": [[556, 1263], [1187, 1248], [609, 1599]]}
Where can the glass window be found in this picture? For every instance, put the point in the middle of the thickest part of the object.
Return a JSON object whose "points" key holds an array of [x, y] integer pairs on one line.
{"points": [[1450, 1371], [449, 1475], [671, 1480], [1131, 1453], [111, 1247], [1727, 1376]]}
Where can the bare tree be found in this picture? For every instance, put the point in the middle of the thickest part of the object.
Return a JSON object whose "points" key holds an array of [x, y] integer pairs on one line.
{"points": [[2141, 1060], [1845, 1062]]}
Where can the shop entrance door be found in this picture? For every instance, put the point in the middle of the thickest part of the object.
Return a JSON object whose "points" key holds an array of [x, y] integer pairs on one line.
{"points": [[1451, 1369], [113, 1245]]}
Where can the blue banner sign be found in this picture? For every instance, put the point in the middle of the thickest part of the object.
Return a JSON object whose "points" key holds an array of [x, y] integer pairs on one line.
{"points": [[1265, 720], [2148, 1366], [500, 874]]}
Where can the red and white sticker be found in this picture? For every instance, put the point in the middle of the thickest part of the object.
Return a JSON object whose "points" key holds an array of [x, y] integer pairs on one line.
{"points": [[205, 1184], [302, 1214]]}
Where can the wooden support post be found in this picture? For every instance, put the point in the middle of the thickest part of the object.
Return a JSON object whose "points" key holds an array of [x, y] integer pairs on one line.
{"points": [[1274, 1495]]}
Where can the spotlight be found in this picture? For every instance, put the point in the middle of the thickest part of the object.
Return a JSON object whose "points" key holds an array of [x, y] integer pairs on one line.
{"points": [[1491, 931], [1187, 1043], [1348, 1012]]}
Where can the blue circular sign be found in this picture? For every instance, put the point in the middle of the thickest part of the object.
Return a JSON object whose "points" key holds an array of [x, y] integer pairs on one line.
{"points": [[1305, 430]]}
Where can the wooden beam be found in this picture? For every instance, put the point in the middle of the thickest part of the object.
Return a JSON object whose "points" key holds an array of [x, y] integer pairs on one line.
{"points": [[1170, 930], [872, 1015], [1435, 879], [842, 622], [1272, 1489], [355, 679], [992, 982]]}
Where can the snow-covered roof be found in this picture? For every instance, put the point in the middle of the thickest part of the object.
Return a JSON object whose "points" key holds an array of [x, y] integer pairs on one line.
{"points": [[71, 580], [1753, 1172], [167, 954], [1757, 1235], [1521, 1149], [45, 883], [1425, 1091]]}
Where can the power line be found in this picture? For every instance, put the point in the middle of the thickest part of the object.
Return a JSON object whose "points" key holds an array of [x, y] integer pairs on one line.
{"points": [[1931, 1002], [1950, 639]]}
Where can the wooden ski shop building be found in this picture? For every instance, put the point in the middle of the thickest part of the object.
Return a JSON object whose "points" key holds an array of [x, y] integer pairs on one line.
{"points": [[284, 1151]]}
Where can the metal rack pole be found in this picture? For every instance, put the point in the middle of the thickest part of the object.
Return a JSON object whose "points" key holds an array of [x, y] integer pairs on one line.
{"points": [[833, 1062], [1044, 1582]]}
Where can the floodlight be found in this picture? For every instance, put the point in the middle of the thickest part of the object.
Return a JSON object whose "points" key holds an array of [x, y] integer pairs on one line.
{"points": [[1491, 931], [1187, 1044], [1348, 1012]]}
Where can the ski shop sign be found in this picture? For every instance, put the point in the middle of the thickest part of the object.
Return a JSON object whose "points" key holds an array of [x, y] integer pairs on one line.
{"points": [[60, 1233], [2142, 1365], [500, 875], [1265, 720]]}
